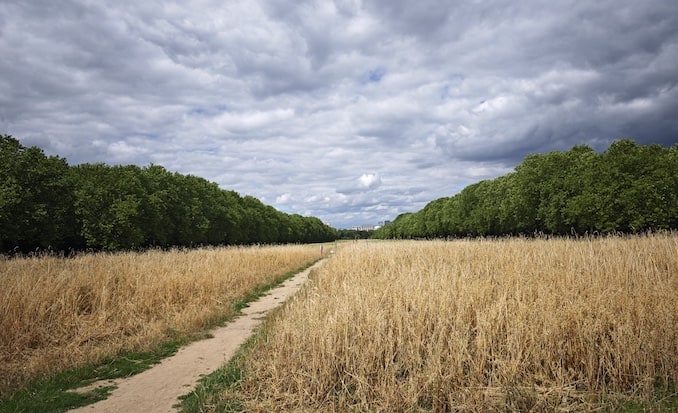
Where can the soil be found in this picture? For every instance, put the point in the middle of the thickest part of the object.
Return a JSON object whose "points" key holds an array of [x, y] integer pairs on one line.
{"points": [[157, 390]]}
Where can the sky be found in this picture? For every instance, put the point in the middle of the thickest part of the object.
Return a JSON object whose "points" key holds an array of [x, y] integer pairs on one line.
{"points": [[352, 111]]}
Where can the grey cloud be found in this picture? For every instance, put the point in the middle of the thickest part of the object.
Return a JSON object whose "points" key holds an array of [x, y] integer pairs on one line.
{"points": [[423, 18], [293, 103]]}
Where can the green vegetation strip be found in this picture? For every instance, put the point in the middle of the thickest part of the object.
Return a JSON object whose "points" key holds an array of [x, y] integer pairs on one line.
{"points": [[212, 386], [52, 395]]}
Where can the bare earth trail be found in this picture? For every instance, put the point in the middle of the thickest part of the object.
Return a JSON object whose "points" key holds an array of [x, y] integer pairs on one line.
{"points": [[157, 389]]}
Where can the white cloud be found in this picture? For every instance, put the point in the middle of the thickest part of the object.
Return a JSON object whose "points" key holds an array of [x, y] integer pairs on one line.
{"points": [[370, 181], [283, 199], [242, 122]]}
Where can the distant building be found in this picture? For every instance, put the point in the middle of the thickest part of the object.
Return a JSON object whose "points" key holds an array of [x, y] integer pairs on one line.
{"points": [[370, 227]]}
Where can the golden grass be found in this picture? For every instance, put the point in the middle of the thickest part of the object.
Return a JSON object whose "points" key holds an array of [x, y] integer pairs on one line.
{"points": [[540, 325], [57, 313]]}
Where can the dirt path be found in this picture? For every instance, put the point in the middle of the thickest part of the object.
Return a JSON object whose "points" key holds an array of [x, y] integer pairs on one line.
{"points": [[156, 390]]}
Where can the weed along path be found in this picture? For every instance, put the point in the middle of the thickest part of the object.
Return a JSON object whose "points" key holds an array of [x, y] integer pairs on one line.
{"points": [[157, 389]]}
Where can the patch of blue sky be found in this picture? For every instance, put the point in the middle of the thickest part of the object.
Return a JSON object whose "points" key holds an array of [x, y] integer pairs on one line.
{"points": [[201, 111], [454, 80], [445, 92], [375, 75], [143, 135]]}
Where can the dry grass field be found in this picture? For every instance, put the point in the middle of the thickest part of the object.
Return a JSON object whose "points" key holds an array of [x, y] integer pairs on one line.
{"points": [[58, 313], [504, 325]]}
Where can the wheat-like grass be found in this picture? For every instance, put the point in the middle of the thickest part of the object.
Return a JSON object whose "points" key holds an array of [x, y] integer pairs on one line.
{"points": [[57, 313], [519, 324]]}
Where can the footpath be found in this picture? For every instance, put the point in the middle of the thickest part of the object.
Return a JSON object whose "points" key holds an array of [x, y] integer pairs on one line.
{"points": [[158, 389]]}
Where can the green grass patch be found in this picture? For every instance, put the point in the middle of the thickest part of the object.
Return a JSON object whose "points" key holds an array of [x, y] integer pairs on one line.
{"points": [[51, 394], [212, 390], [662, 401]]}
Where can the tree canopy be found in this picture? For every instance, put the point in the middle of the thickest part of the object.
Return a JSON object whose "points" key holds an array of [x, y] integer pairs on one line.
{"points": [[47, 204], [628, 188]]}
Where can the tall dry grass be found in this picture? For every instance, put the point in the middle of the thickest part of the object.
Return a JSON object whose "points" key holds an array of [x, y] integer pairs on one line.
{"points": [[57, 313], [528, 325]]}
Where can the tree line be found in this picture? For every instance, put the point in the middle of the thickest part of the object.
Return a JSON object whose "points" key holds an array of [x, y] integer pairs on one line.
{"points": [[353, 234], [627, 188], [47, 204]]}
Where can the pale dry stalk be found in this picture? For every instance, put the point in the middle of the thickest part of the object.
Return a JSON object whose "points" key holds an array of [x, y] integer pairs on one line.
{"points": [[57, 313], [474, 325]]}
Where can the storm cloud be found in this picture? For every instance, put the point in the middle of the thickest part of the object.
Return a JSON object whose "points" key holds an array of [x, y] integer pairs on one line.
{"points": [[352, 111]]}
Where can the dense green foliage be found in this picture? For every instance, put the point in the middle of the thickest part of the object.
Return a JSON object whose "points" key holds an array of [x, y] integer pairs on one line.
{"points": [[45, 203], [627, 188], [353, 234]]}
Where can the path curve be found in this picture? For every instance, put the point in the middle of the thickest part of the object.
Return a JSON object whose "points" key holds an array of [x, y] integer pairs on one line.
{"points": [[157, 389]]}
